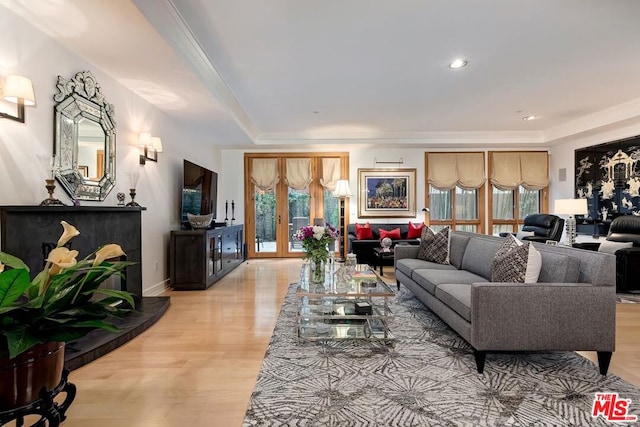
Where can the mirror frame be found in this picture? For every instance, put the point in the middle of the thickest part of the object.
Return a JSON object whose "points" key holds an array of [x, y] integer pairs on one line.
{"points": [[81, 97]]}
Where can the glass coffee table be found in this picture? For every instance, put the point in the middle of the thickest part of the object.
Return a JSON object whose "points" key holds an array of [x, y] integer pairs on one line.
{"points": [[356, 310]]}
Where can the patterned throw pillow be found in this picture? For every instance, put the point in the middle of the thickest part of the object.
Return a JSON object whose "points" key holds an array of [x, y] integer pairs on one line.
{"points": [[510, 262], [434, 247], [363, 232], [415, 231], [392, 234]]}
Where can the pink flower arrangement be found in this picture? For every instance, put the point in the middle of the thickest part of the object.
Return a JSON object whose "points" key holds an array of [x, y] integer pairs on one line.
{"points": [[316, 240]]}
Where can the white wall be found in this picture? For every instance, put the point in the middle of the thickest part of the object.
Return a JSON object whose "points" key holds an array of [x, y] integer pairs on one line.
{"points": [[26, 51]]}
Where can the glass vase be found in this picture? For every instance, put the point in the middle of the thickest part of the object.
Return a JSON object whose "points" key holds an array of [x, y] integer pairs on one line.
{"points": [[316, 273]]}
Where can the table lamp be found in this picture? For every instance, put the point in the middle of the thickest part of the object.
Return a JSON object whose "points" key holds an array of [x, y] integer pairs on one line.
{"points": [[570, 207]]}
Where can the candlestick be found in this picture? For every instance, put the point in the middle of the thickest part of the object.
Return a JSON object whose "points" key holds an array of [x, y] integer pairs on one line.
{"points": [[233, 209], [226, 211]]}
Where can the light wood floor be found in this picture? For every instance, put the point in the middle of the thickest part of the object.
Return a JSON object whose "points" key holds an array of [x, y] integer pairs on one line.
{"points": [[197, 366]]}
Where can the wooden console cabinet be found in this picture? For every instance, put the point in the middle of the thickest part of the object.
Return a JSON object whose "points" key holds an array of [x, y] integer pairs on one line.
{"points": [[199, 258]]}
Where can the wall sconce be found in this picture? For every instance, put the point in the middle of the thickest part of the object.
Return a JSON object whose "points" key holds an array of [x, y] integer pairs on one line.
{"points": [[19, 90], [152, 145]]}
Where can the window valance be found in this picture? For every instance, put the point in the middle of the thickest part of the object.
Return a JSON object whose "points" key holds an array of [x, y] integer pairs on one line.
{"points": [[298, 173], [529, 169], [448, 170], [264, 173], [330, 173]]}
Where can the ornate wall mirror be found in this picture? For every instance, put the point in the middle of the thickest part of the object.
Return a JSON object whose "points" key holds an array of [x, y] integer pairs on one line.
{"points": [[85, 138]]}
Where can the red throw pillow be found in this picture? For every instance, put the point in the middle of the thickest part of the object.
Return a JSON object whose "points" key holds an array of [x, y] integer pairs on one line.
{"points": [[415, 231], [392, 234], [363, 232]]}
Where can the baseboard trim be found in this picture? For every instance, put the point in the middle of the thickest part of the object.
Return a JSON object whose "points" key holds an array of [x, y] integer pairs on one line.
{"points": [[156, 289]]}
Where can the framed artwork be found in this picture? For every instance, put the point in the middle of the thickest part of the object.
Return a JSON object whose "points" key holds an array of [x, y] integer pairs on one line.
{"points": [[386, 193], [84, 171]]}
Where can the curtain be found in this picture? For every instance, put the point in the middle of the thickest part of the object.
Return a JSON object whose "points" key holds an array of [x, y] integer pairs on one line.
{"points": [[330, 173], [505, 173], [298, 174], [448, 170], [529, 169], [535, 170], [264, 173]]}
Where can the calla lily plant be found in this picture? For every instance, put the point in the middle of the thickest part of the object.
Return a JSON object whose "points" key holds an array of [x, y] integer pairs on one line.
{"points": [[59, 304]]}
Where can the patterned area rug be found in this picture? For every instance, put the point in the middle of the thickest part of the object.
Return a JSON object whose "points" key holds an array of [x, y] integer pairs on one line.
{"points": [[428, 378]]}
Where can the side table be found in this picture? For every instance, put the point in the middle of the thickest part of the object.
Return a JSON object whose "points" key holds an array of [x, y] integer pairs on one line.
{"points": [[383, 254]]}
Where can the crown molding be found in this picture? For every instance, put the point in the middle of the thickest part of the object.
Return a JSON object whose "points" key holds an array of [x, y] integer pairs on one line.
{"points": [[612, 117], [405, 138], [168, 21]]}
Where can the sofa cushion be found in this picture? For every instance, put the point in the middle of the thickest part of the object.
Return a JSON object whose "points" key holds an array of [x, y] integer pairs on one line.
{"points": [[558, 267], [429, 279], [363, 232], [415, 231], [457, 246], [434, 247], [457, 296], [510, 262], [392, 234], [409, 265], [479, 255]]}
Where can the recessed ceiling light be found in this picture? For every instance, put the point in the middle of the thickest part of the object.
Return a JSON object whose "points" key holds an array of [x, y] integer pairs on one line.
{"points": [[316, 112], [458, 63], [529, 118]]}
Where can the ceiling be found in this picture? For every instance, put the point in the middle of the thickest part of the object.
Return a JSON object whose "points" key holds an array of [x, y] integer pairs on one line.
{"points": [[292, 72]]}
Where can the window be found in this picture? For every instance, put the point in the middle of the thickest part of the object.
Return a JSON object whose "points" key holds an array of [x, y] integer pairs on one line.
{"points": [[456, 190], [519, 187]]}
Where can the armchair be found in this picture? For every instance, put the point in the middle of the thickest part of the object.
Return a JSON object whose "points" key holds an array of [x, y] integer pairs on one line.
{"points": [[626, 229], [544, 227]]}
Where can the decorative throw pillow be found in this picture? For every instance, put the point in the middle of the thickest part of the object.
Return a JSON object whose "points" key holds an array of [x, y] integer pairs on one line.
{"points": [[522, 234], [610, 247], [415, 231], [392, 234], [517, 262], [434, 247], [363, 232]]}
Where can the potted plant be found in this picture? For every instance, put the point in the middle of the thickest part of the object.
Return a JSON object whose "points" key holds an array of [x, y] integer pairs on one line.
{"points": [[38, 316]]}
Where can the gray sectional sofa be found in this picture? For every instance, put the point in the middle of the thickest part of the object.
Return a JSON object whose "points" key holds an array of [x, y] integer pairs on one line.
{"points": [[572, 307]]}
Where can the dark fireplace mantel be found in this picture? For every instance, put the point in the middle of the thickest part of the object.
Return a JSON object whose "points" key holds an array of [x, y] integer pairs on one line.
{"points": [[25, 229]]}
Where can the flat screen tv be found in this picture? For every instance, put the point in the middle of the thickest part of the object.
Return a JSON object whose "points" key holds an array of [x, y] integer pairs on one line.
{"points": [[199, 191]]}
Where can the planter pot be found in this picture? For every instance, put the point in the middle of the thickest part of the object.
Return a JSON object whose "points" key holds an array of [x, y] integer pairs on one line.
{"points": [[22, 378]]}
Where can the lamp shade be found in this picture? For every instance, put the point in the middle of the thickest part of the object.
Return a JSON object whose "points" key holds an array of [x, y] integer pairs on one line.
{"points": [[570, 207], [342, 189], [156, 143], [145, 140], [18, 87]]}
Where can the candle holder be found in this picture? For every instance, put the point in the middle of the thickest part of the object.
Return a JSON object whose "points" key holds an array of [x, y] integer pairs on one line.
{"points": [[132, 193], [226, 212], [233, 210], [51, 201]]}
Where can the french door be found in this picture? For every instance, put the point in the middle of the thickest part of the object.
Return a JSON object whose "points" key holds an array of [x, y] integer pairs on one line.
{"points": [[286, 191]]}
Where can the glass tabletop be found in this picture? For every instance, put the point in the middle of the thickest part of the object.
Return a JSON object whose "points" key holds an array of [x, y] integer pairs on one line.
{"points": [[365, 282]]}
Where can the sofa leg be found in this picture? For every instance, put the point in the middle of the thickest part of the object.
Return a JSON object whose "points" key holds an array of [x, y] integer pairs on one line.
{"points": [[480, 358], [398, 283], [604, 358]]}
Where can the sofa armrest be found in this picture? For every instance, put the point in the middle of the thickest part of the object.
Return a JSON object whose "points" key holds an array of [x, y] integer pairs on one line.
{"points": [[406, 251], [542, 316]]}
